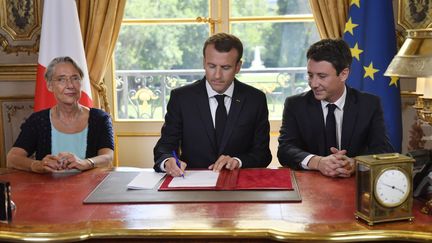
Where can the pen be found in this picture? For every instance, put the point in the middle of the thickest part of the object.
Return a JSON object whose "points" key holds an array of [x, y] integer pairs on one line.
{"points": [[177, 161]]}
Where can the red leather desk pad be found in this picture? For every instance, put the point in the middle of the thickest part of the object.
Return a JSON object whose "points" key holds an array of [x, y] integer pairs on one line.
{"points": [[243, 179], [113, 189], [50, 209]]}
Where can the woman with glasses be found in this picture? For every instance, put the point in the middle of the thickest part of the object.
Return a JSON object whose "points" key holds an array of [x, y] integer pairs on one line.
{"points": [[68, 135]]}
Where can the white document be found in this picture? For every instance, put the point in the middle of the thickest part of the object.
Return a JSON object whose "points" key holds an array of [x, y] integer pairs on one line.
{"points": [[145, 180], [205, 178]]}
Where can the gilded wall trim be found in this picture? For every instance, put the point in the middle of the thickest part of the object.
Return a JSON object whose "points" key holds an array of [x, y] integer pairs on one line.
{"points": [[9, 48], [20, 23], [14, 72], [20, 19], [415, 14]]}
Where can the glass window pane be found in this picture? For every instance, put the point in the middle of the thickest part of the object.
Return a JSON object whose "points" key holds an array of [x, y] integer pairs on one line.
{"points": [[150, 47], [274, 59], [278, 44], [250, 8], [149, 9], [277, 85], [144, 94], [151, 60]]}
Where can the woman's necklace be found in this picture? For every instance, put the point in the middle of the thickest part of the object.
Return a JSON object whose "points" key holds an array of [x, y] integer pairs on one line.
{"points": [[71, 122]]}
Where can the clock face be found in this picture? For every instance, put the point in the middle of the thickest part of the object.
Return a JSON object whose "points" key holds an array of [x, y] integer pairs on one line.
{"points": [[392, 187]]}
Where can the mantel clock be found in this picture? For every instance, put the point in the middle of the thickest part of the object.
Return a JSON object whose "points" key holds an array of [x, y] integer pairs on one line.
{"points": [[384, 187]]}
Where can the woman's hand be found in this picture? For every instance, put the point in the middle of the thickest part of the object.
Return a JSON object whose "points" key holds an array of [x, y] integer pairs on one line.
{"points": [[49, 163], [71, 161]]}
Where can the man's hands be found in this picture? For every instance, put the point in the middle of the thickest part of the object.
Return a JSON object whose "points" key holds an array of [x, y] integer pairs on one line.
{"points": [[172, 169], [226, 161], [335, 165]]}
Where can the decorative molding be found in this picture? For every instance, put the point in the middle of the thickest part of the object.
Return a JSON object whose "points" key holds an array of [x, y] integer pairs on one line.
{"points": [[21, 19], [20, 23], [408, 94], [23, 72], [415, 14], [8, 48], [11, 110], [408, 99], [13, 113]]}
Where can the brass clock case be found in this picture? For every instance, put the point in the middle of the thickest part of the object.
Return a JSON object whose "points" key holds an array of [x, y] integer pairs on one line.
{"points": [[374, 208]]}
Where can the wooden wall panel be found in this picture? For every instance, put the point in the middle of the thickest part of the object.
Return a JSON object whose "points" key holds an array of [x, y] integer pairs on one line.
{"points": [[13, 113]]}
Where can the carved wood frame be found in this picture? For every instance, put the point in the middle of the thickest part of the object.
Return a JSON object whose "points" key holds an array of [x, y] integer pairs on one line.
{"points": [[17, 105], [415, 14], [20, 24]]}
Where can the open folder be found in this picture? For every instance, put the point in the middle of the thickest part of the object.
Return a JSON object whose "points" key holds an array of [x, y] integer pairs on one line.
{"points": [[242, 179]]}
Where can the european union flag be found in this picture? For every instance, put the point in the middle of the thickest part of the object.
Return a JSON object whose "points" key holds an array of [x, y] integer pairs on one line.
{"points": [[370, 33]]}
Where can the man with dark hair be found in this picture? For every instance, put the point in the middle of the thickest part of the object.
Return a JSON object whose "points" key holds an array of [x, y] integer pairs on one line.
{"points": [[216, 122], [322, 129]]}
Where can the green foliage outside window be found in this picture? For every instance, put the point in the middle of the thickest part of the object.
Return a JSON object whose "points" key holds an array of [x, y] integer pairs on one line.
{"points": [[175, 46]]}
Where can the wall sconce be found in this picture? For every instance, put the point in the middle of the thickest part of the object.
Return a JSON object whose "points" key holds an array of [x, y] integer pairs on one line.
{"points": [[414, 60]]}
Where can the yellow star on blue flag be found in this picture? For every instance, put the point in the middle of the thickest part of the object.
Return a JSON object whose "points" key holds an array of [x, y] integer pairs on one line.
{"points": [[370, 71], [355, 2], [356, 51], [394, 81], [375, 34], [349, 27]]}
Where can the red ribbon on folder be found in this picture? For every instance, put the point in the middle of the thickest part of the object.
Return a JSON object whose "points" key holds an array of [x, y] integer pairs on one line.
{"points": [[244, 179]]}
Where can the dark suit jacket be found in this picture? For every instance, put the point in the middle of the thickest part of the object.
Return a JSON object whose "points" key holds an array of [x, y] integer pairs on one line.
{"points": [[189, 126], [302, 131]]}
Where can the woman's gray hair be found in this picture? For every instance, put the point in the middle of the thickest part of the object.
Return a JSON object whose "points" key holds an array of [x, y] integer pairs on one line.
{"points": [[66, 59]]}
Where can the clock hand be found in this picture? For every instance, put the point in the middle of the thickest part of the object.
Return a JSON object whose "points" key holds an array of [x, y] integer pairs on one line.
{"points": [[385, 184], [393, 187]]}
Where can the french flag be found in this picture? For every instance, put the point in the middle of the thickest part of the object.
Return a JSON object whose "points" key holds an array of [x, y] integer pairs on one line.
{"points": [[60, 36]]}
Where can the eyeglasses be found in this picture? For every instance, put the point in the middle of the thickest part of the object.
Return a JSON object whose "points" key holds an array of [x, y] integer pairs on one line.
{"points": [[63, 79]]}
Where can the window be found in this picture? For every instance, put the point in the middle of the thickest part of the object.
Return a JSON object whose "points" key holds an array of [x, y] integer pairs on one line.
{"points": [[160, 48]]}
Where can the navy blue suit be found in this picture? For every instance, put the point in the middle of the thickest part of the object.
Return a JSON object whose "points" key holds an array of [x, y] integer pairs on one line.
{"points": [[302, 131], [189, 127]]}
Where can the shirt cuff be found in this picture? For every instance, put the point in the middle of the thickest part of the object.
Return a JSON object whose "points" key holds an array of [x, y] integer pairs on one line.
{"points": [[240, 162], [162, 164], [305, 161]]}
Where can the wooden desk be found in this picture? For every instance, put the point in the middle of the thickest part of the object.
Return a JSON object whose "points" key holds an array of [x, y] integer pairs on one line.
{"points": [[51, 209]]}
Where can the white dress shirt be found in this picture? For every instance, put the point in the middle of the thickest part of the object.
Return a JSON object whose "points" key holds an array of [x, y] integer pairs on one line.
{"points": [[213, 106], [213, 102], [340, 103]]}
